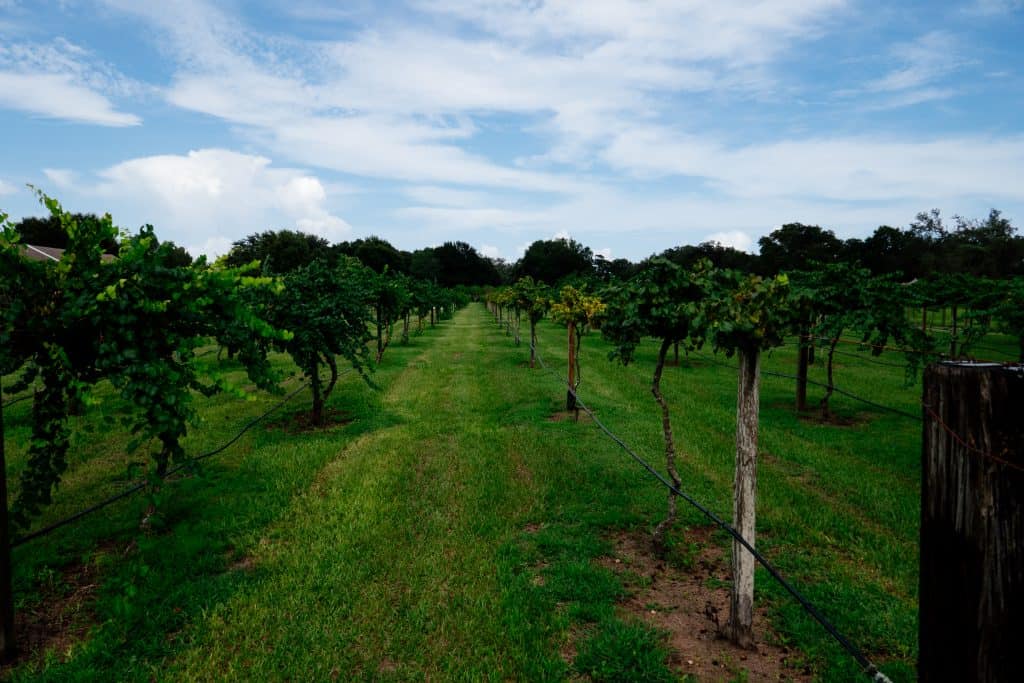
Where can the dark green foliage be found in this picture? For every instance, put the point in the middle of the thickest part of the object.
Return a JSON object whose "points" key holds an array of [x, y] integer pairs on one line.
{"points": [[134, 320], [452, 264], [376, 254], [326, 309], [794, 245], [661, 301], [1009, 311], [720, 256], [744, 312], [553, 261], [278, 251]]}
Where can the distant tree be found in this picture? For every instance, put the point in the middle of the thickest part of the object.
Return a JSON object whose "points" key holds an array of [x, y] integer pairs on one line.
{"points": [[461, 264], [617, 269], [504, 269], [793, 245], [552, 261], [719, 255], [986, 248], [425, 265], [279, 252], [377, 254], [887, 251], [1009, 312]]}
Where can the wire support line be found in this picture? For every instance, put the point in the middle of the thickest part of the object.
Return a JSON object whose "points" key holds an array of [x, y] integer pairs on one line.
{"points": [[823, 385], [18, 400], [917, 352], [870, 359], [967, 445], [138, 486], [868, 667]]}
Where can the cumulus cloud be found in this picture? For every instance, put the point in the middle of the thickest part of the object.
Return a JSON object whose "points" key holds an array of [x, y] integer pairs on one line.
{"points": [[209, 197]]}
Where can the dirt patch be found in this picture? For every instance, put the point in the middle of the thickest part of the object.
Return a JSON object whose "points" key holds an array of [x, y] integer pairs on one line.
{"points": [[569, 416], [691, 604], [297, 423], [243, 564], [61, 618], [457, 356], [834, 420]]}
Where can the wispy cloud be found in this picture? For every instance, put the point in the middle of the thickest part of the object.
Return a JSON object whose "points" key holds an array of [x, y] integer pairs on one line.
{"points": [[57, 96], [993, 8], [64, 81], [581, 72], [864, 168]]}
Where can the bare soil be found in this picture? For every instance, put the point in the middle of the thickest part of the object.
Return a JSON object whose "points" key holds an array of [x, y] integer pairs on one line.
{"points": [[297, 423], [61, 618], [692, 604], [569, 416]]}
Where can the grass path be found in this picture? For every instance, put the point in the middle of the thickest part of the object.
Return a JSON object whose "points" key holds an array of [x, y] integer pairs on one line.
{"points": [[386, 566]]}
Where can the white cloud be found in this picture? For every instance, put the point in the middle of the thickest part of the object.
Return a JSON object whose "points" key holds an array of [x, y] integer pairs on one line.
{"points": [[64, 81], [605, 252], [446, 196], [63, 178], [490, 251], [841, 168], [922, 61], [583, 71], [737, 239], [209, 197], [56, 96], [6, 188]]}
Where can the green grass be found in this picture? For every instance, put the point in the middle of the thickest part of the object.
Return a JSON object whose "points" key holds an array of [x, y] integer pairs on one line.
{"points": [[448, 531]]}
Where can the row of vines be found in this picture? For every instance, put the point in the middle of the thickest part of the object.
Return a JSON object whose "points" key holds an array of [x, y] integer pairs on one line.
{"points": [[135, 322], [744, 315]]}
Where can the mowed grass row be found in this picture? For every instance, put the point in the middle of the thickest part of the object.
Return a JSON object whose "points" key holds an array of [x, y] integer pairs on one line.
{"points": [[449, 530]]}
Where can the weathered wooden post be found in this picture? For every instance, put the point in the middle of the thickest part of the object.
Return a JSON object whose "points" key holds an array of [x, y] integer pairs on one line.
{"points": [[972, 523], [570, 395], [744, 503]]}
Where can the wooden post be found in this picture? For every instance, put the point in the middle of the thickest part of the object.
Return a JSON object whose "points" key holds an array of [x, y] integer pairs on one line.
{"points": [[803, 355], [7, 644], [744, 502], [972, 523], [952, 337], [570, 396]]}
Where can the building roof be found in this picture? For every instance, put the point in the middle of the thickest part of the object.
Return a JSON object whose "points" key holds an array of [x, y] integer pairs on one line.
{"points": [[34, 252]]}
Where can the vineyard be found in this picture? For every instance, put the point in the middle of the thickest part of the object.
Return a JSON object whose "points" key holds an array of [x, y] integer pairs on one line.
{"points": [[334, 470]]}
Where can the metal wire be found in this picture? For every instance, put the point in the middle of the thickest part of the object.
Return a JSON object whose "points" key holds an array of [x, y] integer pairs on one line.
{"points": [[138, 486], [868, 667]]}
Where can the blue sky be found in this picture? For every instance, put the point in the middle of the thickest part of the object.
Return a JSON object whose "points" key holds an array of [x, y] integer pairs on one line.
{"points": [[629, 126]]}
